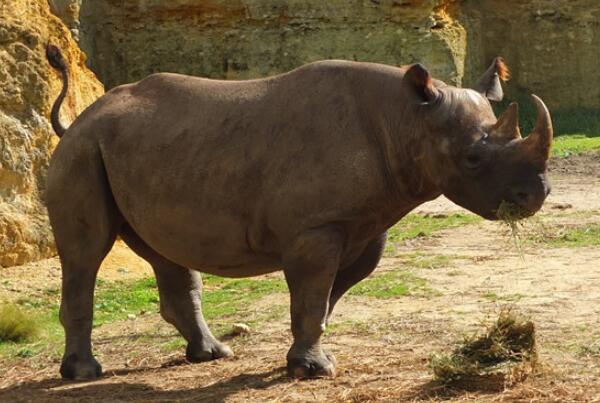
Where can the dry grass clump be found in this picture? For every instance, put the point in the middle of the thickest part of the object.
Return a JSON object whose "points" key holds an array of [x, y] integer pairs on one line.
{"points": [[15, 325], [505, 352], [511, 214]]}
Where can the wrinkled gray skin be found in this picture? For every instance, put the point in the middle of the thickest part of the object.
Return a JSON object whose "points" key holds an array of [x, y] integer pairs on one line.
{"points": [[302, 172]]}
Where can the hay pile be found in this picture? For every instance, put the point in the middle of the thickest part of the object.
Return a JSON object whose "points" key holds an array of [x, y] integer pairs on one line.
{"points": [[505, 353]]}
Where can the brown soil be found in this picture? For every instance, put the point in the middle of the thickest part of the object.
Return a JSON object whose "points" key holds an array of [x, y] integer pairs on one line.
{"points": [[382, 346]]}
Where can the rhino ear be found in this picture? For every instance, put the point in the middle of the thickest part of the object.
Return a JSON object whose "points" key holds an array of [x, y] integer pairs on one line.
{"points": [[489, 84], [419, 85]]}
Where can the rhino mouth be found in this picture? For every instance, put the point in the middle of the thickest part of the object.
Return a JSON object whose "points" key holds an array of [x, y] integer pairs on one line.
{"points": [[510, 212]]}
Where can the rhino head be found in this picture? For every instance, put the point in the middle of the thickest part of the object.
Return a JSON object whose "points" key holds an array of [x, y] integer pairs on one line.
{"points": [[476, 160]]}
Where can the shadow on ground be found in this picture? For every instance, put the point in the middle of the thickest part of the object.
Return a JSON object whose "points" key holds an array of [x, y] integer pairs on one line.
{"points": [[106, 389]]}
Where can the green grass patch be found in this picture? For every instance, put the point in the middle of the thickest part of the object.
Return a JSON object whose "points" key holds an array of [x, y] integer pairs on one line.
{"points": [[115, 301], [589, 350], [574, 144], [235, 295], [350, 327], [177, 343], [426, 261], [567, 236], [42, 310], [421, 226], [221, 297], [16, 324], [391, 284]]}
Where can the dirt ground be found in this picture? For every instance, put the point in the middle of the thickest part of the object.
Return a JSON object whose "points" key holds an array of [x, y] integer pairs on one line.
{"points": [[382, 345]]}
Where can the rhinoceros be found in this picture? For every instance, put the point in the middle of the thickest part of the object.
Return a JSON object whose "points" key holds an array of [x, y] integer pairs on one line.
{"points": [[302, 172]]}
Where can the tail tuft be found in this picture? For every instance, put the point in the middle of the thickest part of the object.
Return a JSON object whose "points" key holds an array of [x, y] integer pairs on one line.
{"points": [[55, 57]]}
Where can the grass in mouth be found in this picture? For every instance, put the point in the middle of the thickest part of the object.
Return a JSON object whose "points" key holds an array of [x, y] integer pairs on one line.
{"points": [[512, 215]]}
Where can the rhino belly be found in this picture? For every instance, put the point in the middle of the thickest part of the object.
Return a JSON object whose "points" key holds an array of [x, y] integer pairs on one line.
{"points": [[200, 229]]}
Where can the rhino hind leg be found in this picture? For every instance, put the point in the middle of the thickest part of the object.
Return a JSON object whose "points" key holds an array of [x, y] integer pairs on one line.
{"points": [[180, 292], [85, 222], [366, 263], [310, 267]]}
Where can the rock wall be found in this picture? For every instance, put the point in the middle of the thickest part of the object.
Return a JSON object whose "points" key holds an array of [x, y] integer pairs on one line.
{"points": [[28, 88], [129, 39], [552, 46], [549, 44], [68, 12]]}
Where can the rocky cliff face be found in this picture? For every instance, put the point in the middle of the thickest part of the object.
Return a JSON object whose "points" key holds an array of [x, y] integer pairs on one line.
{"points": [[68, 12], [238, 39], [552, 46], [28, 88], [549, 44]]}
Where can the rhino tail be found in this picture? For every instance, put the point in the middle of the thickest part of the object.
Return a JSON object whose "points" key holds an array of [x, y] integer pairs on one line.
{"points": [[58, 62]]}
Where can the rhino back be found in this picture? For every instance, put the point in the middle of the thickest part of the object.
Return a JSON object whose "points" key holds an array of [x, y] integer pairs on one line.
{"points": [[224, 174]]}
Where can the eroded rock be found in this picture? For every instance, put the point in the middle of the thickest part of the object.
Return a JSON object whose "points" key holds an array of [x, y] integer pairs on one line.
{"points": [[254, 38], [28, 88], [550, 45]]}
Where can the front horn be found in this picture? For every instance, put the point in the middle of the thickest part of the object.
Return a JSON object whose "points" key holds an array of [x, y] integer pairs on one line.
{"points": [[540, 140]]}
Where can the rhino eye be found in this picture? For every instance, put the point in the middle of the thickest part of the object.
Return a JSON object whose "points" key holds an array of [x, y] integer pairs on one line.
{"points": [[473, 161]]}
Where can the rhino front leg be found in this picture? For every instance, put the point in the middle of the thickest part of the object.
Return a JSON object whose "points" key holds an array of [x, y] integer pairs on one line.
{"points": [[310, 268], [180, 293], [348, 276]]}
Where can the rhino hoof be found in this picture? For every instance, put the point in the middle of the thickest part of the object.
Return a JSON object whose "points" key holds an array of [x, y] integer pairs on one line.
{"points": [[211, 352], [313, 367], [78, 369]]}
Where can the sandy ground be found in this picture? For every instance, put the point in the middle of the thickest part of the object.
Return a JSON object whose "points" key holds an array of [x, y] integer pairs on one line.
{"points": [[382, 346]]}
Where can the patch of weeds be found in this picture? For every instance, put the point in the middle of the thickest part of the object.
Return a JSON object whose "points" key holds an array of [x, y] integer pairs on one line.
{"points": [[349, 327], [221, 297], [177, 343], [391, 284], [590, 350], [268, 314], [27, 351], [426, 261], [505, 351], [16, 325], [568, 236], [574, 144], [235, 295], [491, 296], [114, 301], [415, 225], [48, 336]]}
